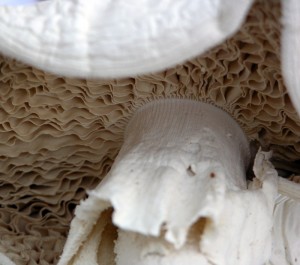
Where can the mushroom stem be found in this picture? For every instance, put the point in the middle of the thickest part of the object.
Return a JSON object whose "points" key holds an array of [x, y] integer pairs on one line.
{"points": [[175, 152], [179, 193]]}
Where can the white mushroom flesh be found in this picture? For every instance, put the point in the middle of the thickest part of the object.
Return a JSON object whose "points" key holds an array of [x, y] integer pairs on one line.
{"points": [[115, 38], [286, 232], [181, 168], [59, 135]]}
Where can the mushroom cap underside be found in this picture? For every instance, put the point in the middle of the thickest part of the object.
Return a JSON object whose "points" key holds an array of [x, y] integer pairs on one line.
{"points": [[59, 136]]}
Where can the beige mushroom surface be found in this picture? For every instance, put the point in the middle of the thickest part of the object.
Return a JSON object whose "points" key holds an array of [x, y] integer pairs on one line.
{"points": [[59, 136]]}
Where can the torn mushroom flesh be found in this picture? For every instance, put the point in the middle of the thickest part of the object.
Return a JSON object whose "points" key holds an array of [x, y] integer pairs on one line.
{"points": [[178, 191]]}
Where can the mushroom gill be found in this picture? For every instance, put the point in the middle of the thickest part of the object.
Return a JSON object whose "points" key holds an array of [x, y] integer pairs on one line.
{"points": [[60, 136]]}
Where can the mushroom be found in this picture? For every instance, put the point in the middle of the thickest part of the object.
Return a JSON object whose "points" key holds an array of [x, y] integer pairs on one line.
{"points": [[286, 229], [61, 135], [290, 49], [179, 171], [40, 34], [115, 38]]}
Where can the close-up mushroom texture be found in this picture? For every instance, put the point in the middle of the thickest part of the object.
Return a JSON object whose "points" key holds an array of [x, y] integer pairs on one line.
{"points": [[60, 136]]}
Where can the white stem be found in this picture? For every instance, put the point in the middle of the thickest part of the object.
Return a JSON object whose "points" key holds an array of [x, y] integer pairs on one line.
{"points": [[179, 193], [173, 147], [286, 231]]}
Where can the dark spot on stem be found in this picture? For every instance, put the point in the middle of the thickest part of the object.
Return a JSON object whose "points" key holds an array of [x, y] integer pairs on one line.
{"points": [[164, 226], [190, 171], [212, 175]]}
